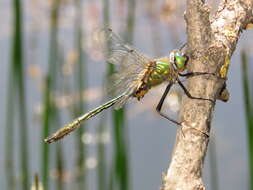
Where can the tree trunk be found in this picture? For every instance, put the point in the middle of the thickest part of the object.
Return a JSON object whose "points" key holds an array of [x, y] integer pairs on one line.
{"points": [[211, 43]]}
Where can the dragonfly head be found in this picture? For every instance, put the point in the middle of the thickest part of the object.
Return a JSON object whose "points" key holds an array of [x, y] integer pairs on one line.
{"points": [[179, 60]]}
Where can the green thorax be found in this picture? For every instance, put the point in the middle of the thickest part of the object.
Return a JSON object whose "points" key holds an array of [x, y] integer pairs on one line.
{"points": [[163, 71]]}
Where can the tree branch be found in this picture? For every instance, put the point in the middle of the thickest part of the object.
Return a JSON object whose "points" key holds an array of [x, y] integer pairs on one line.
{"points": [[210, 45]]}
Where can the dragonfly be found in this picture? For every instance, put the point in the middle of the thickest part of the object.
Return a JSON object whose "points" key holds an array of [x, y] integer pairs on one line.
{"points": [[136, 75]]}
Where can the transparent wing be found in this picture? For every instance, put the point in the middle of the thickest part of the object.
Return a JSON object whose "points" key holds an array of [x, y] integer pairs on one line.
{"points": [[130, 66]]}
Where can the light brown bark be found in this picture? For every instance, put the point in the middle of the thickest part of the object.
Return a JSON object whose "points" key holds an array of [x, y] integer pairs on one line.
{"points": [[210, 42]]}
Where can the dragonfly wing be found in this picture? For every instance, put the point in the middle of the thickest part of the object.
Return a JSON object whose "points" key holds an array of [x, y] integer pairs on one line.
{"points": [[130, 64], [124, 99], [122, 54]]}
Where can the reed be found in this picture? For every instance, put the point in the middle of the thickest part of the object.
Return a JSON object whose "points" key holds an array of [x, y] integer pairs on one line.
{"points": [[45, 132], [9, 129], [18, 65], [48, 115], [248, 112], [79, 108], [59, 162], [106, 23], [119, 172]]}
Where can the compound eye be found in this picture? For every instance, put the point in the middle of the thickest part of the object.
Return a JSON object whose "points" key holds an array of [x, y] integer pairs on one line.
{"points": [[180, 61]]}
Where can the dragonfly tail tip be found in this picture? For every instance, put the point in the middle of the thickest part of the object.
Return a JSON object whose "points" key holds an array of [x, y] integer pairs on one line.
{"points": [[48, 140]]}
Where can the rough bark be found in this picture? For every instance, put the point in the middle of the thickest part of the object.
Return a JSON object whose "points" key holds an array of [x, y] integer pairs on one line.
{"points": [[211, 42]]}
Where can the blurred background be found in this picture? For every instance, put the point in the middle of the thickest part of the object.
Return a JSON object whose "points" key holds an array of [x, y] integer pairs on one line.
{"points": [[51, 72]]}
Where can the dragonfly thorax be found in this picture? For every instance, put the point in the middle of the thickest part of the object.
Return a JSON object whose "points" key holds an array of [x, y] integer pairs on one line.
{"points": [[157, 72], [163, 71]]}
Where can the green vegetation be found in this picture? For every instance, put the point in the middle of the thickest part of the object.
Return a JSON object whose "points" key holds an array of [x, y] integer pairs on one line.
{"points": [[248, 111]]}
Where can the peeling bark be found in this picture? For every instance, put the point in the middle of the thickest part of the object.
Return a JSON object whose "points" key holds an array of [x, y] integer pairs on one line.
{"points": [[210, 42]]}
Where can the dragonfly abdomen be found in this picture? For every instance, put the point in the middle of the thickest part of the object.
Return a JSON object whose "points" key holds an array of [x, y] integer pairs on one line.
{"points": [[141, 91]]}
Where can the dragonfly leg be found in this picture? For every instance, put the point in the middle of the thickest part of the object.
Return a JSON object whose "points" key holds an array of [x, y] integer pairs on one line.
{"points": [[198, 130], [189, 95], [182, 47], [160, 104], [191, 74]]}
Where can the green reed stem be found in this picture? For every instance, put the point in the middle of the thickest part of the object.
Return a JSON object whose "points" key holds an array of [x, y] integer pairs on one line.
{"points": [[101, 153], [55, 117], [120, 160], [59, 153], [17, 61], [45, 133], [106, 13], [130, 21], [50, 86], [80, 107], [106, 23], [23, 128], [121, 167], [9, 136], [248, 112], [119, 121], [116, 173]]}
